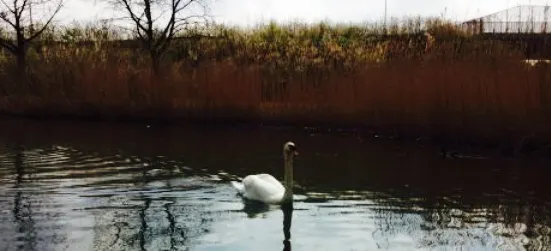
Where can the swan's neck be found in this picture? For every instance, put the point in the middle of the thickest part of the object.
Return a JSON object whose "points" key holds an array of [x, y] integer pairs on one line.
{"points": [[288, 178]]}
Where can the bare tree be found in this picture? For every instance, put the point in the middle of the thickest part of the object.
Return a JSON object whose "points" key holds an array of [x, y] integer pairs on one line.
{"points": [[20, 26], [156, 22]]}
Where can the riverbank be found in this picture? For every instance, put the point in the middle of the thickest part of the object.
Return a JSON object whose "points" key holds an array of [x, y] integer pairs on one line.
{"points": [[450, 145], [445, 85]]}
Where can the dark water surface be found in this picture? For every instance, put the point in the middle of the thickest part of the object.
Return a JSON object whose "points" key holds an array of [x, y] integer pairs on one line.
{"points": [[99, 186]]}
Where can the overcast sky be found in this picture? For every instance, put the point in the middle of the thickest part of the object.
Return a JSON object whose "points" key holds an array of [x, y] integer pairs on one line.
{"points": [[251, 12]]}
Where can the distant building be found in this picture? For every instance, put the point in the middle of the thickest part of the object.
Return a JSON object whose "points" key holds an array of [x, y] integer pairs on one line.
{"points": [[520, 19]]}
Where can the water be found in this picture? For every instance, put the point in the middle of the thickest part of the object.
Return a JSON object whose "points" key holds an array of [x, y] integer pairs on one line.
{"points": [[99, 186]]}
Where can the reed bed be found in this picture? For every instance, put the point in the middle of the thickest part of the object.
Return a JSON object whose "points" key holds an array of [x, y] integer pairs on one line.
{"points": [[439, 82]]}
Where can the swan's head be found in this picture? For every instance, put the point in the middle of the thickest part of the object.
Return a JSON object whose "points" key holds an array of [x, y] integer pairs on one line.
{"points": [[290, 149]]}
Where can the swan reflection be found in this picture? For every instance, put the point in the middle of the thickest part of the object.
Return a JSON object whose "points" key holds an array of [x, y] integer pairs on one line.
{"points": [[287, 218], [253, 209]]}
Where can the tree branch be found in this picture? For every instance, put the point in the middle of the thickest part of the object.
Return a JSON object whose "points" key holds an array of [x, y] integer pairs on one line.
{"points": [[157, 38], [133, 16], [141, 36], [183, 23], [41, 30], [7, 45], [185, 19], [22, 8], [7, 6], [4, 17], [166, 37], [177, 10], [168, 31]]}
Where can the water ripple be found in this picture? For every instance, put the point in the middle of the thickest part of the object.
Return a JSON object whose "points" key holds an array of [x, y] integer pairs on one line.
{"points": [[83, 194]]}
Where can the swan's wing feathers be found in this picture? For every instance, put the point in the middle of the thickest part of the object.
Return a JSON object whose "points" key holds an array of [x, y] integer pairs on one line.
{"points": [[258, 188], [270, 179]]}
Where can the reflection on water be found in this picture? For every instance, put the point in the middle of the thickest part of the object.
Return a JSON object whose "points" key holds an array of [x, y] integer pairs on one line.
{"points": [[287, 220], [125, 187]]}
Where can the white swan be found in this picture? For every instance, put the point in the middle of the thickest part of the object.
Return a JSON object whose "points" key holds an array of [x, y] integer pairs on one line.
{"points": [[267, 189]]}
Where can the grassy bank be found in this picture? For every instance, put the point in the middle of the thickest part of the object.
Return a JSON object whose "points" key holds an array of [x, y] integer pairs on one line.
{"points": [[446, 84]]}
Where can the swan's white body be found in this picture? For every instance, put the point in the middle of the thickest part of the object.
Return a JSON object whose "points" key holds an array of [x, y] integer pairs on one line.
{"points": [[267, 189], [261, 187]]}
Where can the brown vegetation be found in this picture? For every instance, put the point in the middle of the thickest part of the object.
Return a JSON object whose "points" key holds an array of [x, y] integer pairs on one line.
{"points": [[446, 83]]}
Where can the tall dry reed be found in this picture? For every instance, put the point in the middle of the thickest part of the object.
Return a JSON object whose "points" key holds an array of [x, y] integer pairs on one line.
{"points": [[441, 82]]}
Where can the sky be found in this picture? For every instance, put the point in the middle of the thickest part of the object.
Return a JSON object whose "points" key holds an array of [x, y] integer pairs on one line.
{"points": [[253, 12]]}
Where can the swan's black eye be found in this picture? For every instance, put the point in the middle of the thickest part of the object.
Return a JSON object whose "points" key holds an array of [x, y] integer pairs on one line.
{"points": [[292, 148]]}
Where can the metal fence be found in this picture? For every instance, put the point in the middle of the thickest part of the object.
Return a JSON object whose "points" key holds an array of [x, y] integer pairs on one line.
{"points": [[520, 19]]}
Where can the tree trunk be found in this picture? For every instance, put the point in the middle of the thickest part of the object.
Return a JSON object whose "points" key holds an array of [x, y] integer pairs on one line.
{"points": [[20, 49], [155, 63], [154, 77], [21, 62]]}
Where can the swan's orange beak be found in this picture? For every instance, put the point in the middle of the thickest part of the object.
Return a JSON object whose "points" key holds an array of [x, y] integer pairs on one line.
{"points": [[295, 153]]}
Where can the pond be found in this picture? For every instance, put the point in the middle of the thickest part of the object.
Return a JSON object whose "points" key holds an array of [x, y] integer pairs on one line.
{"points": [[102, 186]]}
